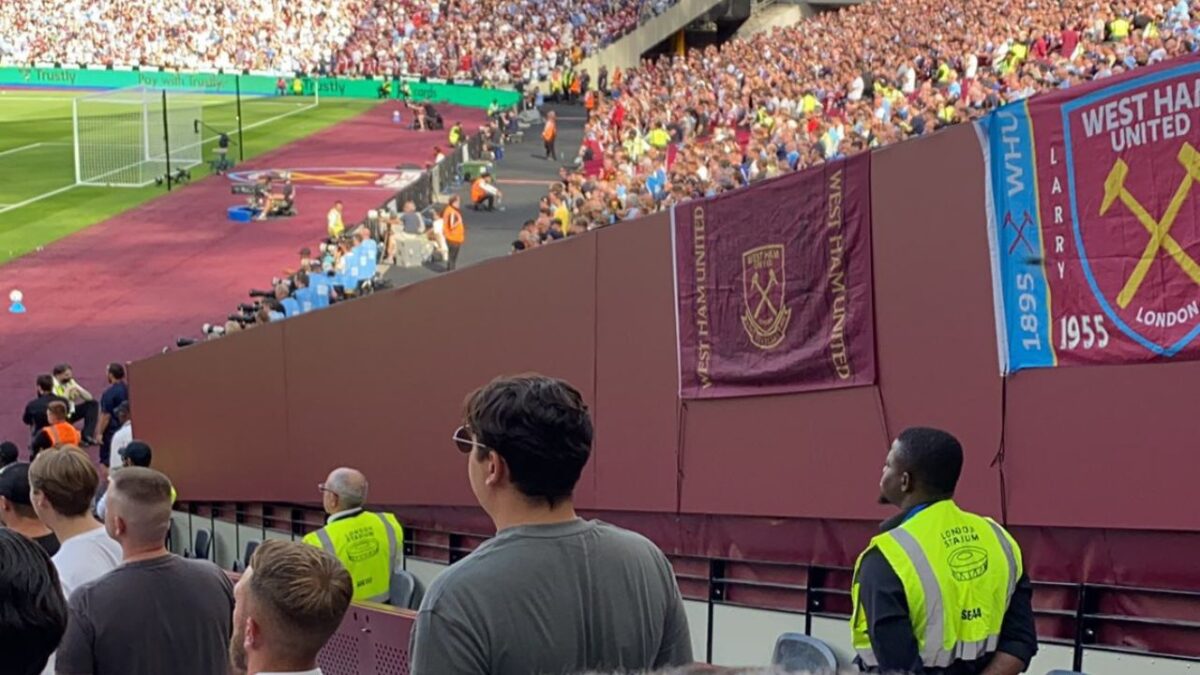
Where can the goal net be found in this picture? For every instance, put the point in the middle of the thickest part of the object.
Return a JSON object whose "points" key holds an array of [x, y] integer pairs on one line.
{"points": [[129, 137]]}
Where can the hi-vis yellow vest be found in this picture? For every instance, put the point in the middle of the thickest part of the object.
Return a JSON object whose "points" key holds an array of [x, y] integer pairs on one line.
{"points": [[959, 571], [368, 544]]}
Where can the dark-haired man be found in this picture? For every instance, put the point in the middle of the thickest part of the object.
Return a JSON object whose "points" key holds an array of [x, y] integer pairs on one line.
{"points": [[35, 410], [9, 453], [574, 594], [134, 453], [116, 394], [289, 602], [16, 508], [933, 555], [35, 612]]}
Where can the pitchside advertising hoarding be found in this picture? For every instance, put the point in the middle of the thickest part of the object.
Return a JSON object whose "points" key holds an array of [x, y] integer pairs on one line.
{"points": [[1093, 223], [251, 85], [773, 285]]}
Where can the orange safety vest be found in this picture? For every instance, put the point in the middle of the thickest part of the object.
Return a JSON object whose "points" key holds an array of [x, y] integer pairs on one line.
{"points": [[452, 226], [477, 193], [62, 434], [589, 100], [550, 131]]}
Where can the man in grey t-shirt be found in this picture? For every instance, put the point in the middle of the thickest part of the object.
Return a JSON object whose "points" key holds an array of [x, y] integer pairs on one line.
{"points": [[551, 593], [156, 613]]}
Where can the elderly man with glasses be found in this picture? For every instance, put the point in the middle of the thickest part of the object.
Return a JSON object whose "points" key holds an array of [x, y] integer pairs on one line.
{"points": [[369, 544]]}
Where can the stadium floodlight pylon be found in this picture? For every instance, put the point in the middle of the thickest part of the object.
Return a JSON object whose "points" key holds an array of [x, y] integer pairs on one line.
{"points": [[121, 136]]}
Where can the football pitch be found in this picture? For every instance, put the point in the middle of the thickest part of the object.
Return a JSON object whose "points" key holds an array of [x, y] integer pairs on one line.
{"points": [[39, 201]]}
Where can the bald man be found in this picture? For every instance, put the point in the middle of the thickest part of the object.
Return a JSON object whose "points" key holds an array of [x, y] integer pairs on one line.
{"points": [[369, 544], [157, 612]]}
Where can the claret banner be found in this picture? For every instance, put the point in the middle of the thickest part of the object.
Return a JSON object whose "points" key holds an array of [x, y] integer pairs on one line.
{"points": [[774, 285], [1094, 221]]}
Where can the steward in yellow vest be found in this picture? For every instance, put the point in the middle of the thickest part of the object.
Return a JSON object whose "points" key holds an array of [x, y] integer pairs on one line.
{"points": [[940, 589], [368, 544]]}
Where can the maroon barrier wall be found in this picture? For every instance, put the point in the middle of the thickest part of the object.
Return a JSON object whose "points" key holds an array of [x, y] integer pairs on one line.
{"points": [[378, 384]]}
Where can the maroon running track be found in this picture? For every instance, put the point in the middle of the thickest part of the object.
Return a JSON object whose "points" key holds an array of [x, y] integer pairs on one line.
{"points": [[127, 287]]}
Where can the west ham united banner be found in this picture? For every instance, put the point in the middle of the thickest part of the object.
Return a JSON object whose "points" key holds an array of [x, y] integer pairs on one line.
{"points": [[1095, 223], [774, 285]]}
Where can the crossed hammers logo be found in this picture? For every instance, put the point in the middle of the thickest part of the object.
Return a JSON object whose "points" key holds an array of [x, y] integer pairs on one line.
{"points": [[764, 299], [1160, 229]]}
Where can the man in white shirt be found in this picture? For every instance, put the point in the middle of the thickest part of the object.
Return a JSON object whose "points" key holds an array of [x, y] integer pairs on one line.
{"points": [[62, 483], [288, 603], [123, 435]]}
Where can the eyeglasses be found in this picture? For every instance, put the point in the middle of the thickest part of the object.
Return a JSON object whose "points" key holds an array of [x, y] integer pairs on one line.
{"points": [[321, 487], [463, 441]]}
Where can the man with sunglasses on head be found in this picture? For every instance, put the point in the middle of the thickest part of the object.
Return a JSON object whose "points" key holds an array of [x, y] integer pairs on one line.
{"points": [[551, 592], [369, 544]]}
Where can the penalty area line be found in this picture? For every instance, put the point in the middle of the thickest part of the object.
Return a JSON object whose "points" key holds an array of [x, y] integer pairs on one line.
{"points": [[34, 200], [13, 151]]}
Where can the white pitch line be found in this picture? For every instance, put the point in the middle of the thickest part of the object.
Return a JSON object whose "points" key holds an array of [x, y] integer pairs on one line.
{"points": [[57, 99], [23, 147], [33, 200]]}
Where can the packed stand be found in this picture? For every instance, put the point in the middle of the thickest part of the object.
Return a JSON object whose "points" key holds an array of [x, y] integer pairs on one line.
{"points": [[498, 41], [493, 41], [838, 83], [275, 35]]}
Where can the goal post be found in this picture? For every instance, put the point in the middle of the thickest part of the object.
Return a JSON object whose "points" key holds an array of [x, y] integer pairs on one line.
{"points": [[120, 136], [128, 137]]}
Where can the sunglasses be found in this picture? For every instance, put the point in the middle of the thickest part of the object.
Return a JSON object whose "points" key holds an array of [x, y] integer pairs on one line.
{"points": [[463, 441]]}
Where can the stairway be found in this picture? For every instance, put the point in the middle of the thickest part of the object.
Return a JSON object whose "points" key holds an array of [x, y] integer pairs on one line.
{"points": [[626, 52]]}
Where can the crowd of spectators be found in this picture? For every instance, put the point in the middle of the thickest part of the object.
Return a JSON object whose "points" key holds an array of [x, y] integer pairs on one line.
{"points": [[500, 41], [719, 118], [277, 35], [496, 41]]}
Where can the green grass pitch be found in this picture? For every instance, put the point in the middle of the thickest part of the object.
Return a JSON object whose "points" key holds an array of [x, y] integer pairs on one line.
{"points": [[37, 168]]}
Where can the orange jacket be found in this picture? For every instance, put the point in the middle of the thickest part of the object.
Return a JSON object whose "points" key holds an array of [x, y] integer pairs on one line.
{"points": [[452, 226], [62, 434], [477, 192], [550, 131]]}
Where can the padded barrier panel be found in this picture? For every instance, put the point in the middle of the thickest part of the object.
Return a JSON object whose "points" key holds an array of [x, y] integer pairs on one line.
{"points": [[378, 383]]}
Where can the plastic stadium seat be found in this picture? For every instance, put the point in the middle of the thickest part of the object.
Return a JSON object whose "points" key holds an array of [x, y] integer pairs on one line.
{"points": [[405, 591], [796, 652], [251, 547], [201, 546]]}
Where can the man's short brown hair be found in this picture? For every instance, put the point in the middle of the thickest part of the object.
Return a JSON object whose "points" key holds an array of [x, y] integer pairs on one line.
{"points": [[299, 591], [67, 479], [142, 498], [58, 409]]}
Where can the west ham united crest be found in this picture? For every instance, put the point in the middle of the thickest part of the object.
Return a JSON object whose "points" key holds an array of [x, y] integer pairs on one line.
{"points": [[766, 314], [1133, 174]]}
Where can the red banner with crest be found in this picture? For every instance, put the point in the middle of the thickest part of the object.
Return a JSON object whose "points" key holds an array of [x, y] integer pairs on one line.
{"points": [[773, 285], [1094, 224]]}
